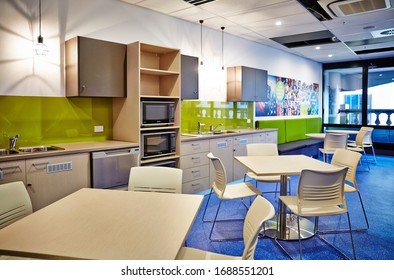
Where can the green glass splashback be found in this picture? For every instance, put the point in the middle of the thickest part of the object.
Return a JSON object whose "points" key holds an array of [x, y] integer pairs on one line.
{"points": [[230, 114], [51, 120]]}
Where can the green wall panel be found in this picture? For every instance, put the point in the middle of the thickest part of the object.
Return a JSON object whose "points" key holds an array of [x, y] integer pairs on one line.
{"points": [[51, 120]]}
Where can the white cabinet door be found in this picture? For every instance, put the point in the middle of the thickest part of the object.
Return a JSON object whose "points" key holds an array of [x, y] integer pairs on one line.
{"points": [[223, 149], [52, 178], [240, 143]]}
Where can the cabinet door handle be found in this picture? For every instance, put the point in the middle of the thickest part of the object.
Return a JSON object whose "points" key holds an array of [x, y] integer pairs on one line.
{"points": [[40, 164]]}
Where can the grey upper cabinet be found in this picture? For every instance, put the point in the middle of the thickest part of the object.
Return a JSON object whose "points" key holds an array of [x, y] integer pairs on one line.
{"points": [[95, 68], [189, 77], [246, 84]]}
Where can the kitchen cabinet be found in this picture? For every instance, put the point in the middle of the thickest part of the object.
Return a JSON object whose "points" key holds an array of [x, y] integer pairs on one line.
{"points": [[189, 77], [223, 149], [266, 137], [195, 165], [95, 68], [12, 171], [51, 178], [153, 75], [239, 143], [246, 84]]}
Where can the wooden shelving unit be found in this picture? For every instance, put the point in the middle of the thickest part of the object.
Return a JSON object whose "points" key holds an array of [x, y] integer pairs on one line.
{"points": [[153, 73]]}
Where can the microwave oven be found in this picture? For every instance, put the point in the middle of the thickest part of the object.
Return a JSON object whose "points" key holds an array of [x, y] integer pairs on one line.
{"points": [[157, 113], [158, 144]]}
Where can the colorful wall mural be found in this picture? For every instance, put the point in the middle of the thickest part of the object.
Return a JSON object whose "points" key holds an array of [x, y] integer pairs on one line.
{"points": [[289, 97]]}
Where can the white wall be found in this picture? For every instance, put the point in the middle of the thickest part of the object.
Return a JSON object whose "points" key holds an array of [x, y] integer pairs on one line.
{"points": [[22, 73]]}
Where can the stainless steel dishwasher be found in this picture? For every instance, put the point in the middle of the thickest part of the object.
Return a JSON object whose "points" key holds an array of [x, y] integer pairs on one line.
{"points": [[111, 168]]}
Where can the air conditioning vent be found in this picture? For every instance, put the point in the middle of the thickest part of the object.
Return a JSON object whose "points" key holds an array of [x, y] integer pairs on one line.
{"points": [[383, 33], [338, 8], [198, 2]]}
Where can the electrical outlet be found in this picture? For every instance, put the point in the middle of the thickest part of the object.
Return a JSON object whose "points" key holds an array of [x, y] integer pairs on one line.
{"points": [[98, 128]]}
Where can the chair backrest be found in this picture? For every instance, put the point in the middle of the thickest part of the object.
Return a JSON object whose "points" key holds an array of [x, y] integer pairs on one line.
{"points": [[335, 141], [261, 149], [15, 203], [360, 137], [220, 180], [260, 211], [349, 159], [368, 135], [321, 190], [155, 179]]}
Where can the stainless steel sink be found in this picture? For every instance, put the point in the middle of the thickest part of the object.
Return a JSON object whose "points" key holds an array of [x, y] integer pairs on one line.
{"points": [[35, 149], [7, 152], [216, 132]]}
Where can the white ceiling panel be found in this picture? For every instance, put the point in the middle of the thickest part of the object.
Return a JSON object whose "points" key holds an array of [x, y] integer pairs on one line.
{"points": [[255, 20]]}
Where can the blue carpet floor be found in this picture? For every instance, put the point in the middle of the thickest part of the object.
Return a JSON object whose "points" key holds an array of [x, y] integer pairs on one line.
{"points": [[376, 243]]}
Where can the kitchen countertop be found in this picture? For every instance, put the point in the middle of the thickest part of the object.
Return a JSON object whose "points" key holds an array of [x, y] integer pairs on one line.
{"points": [[228, 133], [71, 148]]}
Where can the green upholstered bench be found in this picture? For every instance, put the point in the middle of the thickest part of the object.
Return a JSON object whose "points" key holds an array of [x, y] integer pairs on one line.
{"points": [[291, 135]]}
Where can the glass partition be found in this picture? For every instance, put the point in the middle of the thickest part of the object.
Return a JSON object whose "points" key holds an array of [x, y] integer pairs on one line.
{"points": [[342, 96], [380, 96]]}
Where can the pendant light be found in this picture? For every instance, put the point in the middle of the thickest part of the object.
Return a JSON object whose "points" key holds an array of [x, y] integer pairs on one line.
{"points": [[222, 47], [41, 49], [201, 22]]}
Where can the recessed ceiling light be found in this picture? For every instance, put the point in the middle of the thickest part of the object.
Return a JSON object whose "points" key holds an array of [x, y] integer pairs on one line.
{"points": [[317, 48], [330, 55], [278, 23]]}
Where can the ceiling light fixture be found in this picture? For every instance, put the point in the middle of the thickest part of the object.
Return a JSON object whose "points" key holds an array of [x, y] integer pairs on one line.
{"points": [[222, 47], [41, 48], [201, 22]]}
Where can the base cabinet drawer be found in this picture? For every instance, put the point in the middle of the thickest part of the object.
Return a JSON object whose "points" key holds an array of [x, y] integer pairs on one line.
{"points": [[195, 173], [195, 186], [11, 171], [194, 160], [195, 147]]}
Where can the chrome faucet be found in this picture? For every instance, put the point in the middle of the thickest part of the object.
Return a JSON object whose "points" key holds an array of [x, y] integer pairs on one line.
{"points": [[13, 141], [199, 125], [213, 128]]}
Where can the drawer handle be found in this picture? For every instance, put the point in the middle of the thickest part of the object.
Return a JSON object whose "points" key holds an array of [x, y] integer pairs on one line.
{"points": [[195, 158], [196, 185], [10, 167], [196, 171]]}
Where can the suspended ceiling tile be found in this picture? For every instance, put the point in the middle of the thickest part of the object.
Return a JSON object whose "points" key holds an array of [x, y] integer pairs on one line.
{"points": [[167, 6], [234, 7]]}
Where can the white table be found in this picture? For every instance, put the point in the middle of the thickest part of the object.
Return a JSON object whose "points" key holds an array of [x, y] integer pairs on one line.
{"points": [[339, 131], [104, 224], [316, 135], [285, 165]]}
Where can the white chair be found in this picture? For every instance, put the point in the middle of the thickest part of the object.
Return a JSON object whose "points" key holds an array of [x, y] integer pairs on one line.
{"points": [[155, 179], [226, 192], [264, 149], [320, 193], [331, 143], [260, 211], [350, 159], [367, 141], [358, 146], [15, 203]]}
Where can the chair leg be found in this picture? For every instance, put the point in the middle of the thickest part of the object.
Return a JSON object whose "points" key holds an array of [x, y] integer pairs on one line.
{"points": [[336, 248], [214, 221], [365, 214], [206, 206], [299, 235]]}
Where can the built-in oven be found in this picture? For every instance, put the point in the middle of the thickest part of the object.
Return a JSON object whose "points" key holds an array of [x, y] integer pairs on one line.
{"points": [[111, 168], [156, 144], [157, 113]]}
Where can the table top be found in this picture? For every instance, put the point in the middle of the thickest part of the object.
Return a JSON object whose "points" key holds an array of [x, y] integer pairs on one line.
{"points": [[282, 165], [342, 131], [105, 224], [316, 135]]}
